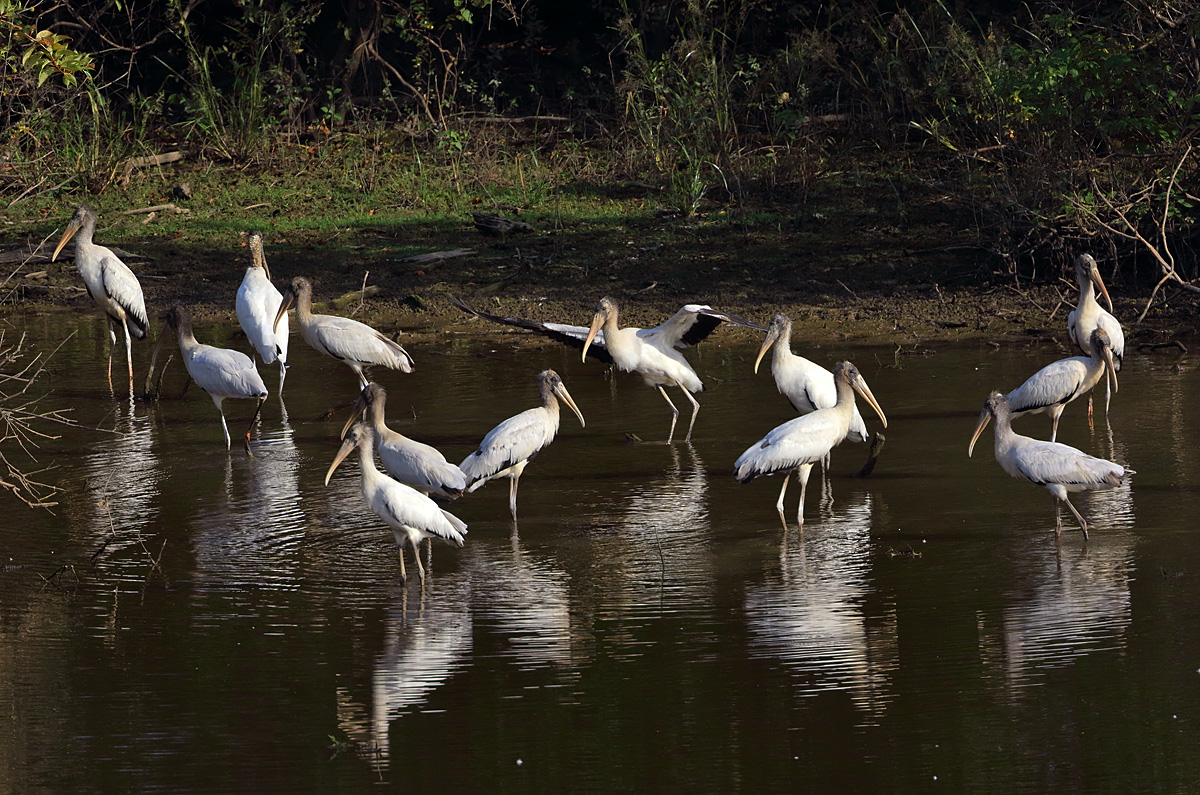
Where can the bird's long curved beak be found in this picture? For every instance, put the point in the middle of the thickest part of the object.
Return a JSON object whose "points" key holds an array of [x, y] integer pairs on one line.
{"points": [[359, 408], [68, 233], [860, 386], [162, 335], [289, 298], [1112, 368], [1099, 282], [347, 446], [984, 418], [565, 397], [597, 322], [772, 335]]}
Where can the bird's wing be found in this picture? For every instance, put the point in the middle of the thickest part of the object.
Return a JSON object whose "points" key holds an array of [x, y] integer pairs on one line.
{"points": [[511, 442], [1054, 462], [691, 325], [568, 335], [403, 506], [225, 372], [122, 286], [1116, 336], [1051, 385], [257, 303], [349, 339], [803, 440], [420, 465]]}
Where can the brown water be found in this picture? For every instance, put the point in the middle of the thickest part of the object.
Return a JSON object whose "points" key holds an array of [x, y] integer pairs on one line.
{"points": [[226, 624]]}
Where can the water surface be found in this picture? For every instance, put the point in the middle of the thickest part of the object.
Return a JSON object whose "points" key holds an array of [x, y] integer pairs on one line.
{"points": [[188, 619]]}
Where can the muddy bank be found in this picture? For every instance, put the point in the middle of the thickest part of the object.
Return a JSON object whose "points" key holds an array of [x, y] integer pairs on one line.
{"points": [[900, 296]]}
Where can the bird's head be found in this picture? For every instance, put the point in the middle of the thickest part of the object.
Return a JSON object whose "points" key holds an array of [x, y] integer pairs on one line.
{"points": [[360, 435], [1087, 271], [81, 218], [996, 405], [372, 397], [780, 328], [1102, 347], [606, 308], [299, 290], [847, 372], [550, 383]]}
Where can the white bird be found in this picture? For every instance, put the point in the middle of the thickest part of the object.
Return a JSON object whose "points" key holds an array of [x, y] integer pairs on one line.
{"points": [[1089, 315], [221, 372], [1059, 468], [797, 444], [414, 464], [258, 303], [354, 343], [651, 353], [411, 515], [1050, 389], [508, 448], [807, 385], [110, 283]]}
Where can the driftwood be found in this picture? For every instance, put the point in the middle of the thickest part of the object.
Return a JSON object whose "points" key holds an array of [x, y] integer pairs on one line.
{"points": [[434, 256], [129, 165], [175, 208], [42, 254], [498, 226]]}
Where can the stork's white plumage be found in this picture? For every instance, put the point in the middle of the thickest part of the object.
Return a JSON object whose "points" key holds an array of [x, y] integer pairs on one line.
{"points": [[1060, 469], [110, 283], [221, 372], [411, 515], [798, 444], [1050, 389], [258, 303], [651, 352], [508, 448], [1088, 316], [414, 464], [807, 385], [355, 343]]}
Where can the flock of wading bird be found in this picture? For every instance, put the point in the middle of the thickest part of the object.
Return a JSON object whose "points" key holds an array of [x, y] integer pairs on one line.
{"points": [[414, 473]]}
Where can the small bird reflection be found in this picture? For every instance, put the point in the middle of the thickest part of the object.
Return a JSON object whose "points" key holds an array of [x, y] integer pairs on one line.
{"points": [[428, 638], [811, 615]]}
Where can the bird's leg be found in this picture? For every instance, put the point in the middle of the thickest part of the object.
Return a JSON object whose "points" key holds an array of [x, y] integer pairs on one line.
{"points": [[1057, 518], [112, 344], [128, 353], [782, 491], [282, 376], [674, 412], [512, 496], [803, 473], [417, 557], [695, 411], [224, 427], [254, 419], [1090, 410], [403, 573], [1078, 516], [429, 553], [1055, 413]]}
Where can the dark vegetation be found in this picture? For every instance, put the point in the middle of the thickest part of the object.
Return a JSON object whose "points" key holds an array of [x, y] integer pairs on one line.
{"points": [[758, 152]]}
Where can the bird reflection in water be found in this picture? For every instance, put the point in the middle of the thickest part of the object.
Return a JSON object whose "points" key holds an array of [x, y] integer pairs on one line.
{"points": [[659, 538], [427, 639], [812, 616], [1071, 605], [123, 480]]}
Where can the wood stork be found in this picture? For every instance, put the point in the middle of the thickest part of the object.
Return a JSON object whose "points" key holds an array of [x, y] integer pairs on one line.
{"points": [[651, 353], [807, 385], [414, 464], [508, 448], [110, 283], [1059, 468], [1050, 389], [221, 372], [1089, 315], [411, 515], [258, 303], [354, 343], [797, 444]]}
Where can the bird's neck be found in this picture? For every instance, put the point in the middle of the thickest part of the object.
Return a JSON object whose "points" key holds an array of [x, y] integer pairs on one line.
{"points": [[304, 311], [379, 421], [187, 339], [783, 348], [366, 458], [1004, 432]]}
